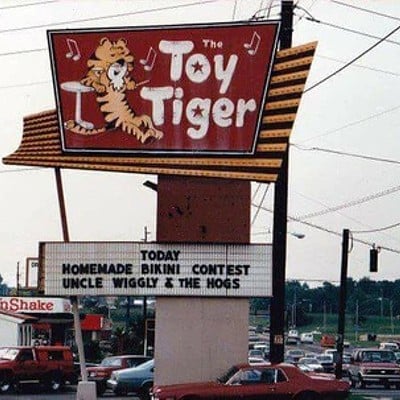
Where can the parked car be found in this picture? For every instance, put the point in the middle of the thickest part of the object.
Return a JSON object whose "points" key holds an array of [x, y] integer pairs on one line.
{"points": [[292, 337], [50, 366], [101, 373], [256, 360], [138, 380], [389, 346], [374, 366], [307, 337], [326, 360], [256, 353], [258, 381], [295, 355], [312, 363], [264, 347], [328, 341]]}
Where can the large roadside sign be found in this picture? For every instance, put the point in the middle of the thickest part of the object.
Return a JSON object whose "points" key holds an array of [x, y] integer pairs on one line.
{"points": [[186, 90], [150, 269]]}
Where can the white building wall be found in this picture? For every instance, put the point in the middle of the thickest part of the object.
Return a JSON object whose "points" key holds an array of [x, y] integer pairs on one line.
{"points": [[8, 333], [198, 339]]}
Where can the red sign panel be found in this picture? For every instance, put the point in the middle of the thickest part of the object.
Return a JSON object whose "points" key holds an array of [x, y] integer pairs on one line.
{"points": [[175, 89]]}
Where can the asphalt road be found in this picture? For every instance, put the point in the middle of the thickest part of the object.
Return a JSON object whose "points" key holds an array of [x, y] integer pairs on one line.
{"points": [[69, 393], [32, 392]]}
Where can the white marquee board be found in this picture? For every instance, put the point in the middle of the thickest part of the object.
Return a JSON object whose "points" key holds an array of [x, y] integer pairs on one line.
{"points": [[154, 269]]}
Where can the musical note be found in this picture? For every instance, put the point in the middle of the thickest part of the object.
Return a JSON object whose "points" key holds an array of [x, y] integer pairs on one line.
{"points": [[252, 47], [74, 52], [148, 63]]}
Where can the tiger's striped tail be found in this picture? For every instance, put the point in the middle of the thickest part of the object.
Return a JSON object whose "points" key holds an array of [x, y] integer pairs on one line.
{"points": [[73, 126]]}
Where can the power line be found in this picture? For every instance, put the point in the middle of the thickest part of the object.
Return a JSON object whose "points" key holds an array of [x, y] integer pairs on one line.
{"points": [[365, 10], [21, 170], [383, 71], [326, 230], [13, 53], [350, 30], [353, 123], [379, 229], [343, 153], [258, 209], [305, 13], [25, 84], [27, 5], [352, 203], [353, 60], [195, 3]]}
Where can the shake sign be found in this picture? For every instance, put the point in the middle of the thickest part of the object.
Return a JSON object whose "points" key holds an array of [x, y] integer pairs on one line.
{"points": [[179, 89], [34, 305]]}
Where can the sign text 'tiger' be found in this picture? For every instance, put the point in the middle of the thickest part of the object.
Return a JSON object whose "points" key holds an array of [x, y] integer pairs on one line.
{"points": [[192, 89]]}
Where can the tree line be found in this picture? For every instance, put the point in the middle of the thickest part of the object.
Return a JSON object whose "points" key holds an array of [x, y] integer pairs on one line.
{"points": [[365, 297]]}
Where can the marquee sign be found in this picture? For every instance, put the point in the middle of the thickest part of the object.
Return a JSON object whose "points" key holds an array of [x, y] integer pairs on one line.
{"points": [[188, 89], [153, 269]]}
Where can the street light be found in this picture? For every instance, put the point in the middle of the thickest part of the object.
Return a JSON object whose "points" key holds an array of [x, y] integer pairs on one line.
{"points": [[297, 235]]}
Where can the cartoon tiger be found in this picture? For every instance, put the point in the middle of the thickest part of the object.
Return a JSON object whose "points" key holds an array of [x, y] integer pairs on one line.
{"points": [[108, 76]]}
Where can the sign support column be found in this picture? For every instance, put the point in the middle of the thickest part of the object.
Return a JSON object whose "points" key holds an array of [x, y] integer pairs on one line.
{"points": [[86, 389], [277, 317]]}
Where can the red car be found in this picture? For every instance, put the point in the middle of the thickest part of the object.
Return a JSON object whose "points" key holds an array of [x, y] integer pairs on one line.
{"points": [[261, 381], [101, 373]]}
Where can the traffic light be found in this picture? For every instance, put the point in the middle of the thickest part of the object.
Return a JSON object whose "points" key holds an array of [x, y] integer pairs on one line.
{"points": [[373, 260]]}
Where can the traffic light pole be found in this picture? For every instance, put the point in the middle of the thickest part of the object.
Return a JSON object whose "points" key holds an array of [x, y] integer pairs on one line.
{"points": [[277, 310]]}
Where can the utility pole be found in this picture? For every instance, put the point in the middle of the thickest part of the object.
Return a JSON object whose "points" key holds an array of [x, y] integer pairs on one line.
{"points": [[146, 235], [277, 319], [342, 303], [18, 276]]}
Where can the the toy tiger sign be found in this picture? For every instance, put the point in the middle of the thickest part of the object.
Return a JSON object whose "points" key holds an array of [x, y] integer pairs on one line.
{"points": [[196, 89]]}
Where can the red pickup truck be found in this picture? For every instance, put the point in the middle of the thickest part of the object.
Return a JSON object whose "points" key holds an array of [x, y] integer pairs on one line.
{"points": [[50, 366]]}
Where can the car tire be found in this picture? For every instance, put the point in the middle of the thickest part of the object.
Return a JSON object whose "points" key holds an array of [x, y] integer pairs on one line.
{"points": [[361, 383], [53, 382], [307, 396], [145, 391], [121, 392], [100, 388], [6, 384]]}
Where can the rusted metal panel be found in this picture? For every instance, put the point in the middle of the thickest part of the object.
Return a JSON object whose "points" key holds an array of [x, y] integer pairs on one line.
{"points": [[203, 210]]}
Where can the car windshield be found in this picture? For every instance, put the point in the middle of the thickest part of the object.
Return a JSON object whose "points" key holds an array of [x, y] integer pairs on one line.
{"points": [[146, 365], [378, 356], [296, 353], [228, 375], [111, 362], [8, 354], [324, 358], [309, 360]]}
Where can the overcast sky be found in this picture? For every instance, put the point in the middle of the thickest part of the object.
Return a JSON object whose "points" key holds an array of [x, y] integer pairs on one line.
{"points": [[356, 111]]}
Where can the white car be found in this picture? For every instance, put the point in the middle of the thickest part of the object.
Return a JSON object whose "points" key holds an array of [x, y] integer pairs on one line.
{"points": [[307, 337], [389, 346], [311, 363]]}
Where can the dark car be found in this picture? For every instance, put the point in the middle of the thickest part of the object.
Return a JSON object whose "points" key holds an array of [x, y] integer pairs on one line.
{"points": [[102, 372], [259, 381], [138, 380]]}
